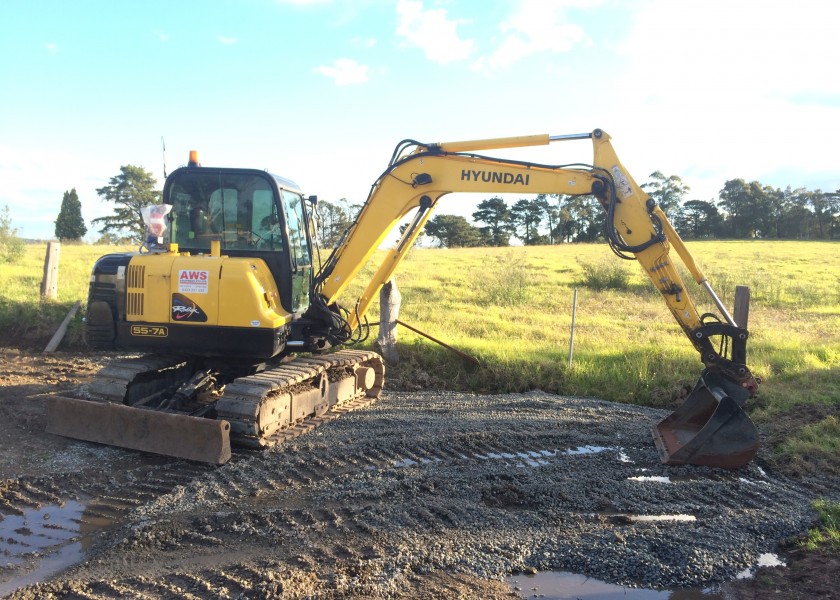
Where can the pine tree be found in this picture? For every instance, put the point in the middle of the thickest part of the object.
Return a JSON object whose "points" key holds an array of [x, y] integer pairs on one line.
{"points": [[495, 213], [70, 225], [130, 191]]}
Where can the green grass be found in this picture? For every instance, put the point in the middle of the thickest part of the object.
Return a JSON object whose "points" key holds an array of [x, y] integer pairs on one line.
{"points": [[27, 320], [464, 297], [826, 535], [512, 309], [606, 274]]}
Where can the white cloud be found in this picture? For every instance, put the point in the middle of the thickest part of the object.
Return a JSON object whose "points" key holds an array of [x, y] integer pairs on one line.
{"points": [[345, 71], [433, 32], [536, 27], [34, 182], [51, 47], [227, 41], [737, 89], [743, 46]]}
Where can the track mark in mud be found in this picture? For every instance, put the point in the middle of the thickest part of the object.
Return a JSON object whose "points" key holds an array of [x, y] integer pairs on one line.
{"points": [[49, 523], [422, 485]]}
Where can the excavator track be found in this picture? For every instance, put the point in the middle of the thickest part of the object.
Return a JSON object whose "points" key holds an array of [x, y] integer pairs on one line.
{"points": [[127, 380], [274, 405], [258, 410]]}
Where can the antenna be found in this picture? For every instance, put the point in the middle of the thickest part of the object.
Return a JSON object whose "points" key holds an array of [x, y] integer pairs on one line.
{"points": [[163, 146]]}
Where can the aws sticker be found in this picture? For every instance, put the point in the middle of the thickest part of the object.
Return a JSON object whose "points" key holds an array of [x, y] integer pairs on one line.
{"points": [[184, 309], [193, 281]]}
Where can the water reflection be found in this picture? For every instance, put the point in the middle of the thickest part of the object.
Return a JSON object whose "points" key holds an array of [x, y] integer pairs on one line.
{"points": [[43, 541], [562, 585]]}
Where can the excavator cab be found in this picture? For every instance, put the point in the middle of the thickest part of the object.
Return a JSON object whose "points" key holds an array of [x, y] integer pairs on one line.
{"points": [[251, 214]]}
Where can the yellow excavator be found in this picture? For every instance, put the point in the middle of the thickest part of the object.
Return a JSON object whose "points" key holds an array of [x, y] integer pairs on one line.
{"points": [[240, 319]]}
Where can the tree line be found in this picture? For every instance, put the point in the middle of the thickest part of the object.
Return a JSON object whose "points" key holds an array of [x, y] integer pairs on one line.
{"points": [[743, 210]]}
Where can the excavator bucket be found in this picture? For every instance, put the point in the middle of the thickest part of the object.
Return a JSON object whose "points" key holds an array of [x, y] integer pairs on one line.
{"points": [[710, 428], [168, 433]]}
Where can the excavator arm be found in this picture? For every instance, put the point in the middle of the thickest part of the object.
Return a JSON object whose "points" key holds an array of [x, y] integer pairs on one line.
{"points": [[710, 428]]}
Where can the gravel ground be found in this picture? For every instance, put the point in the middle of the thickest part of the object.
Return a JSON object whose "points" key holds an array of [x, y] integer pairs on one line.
{"points": [[430, 494], [490, 485]]}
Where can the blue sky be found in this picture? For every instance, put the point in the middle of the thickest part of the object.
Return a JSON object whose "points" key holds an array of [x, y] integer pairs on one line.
{"points": [[320, 91]]}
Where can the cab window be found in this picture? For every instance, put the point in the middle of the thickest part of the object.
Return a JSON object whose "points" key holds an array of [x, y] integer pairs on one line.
{"points": [[297, 228], [298, 249], [239, 210]]}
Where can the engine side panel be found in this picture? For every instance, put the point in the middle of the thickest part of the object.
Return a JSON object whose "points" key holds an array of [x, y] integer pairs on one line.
{"points": [[195, 304]]}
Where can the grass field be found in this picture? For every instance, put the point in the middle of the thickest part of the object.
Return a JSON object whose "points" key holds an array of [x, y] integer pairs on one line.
{"points": [[511, 308], [24, 319]]}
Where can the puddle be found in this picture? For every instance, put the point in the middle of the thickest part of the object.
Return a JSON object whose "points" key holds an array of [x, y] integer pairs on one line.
{"points": [[690, 478], [43, 541], [527, 458], [767, 559], [530, 458], [653, 478], [751, 482], [634, 518], [585, 450], [562, 585]]}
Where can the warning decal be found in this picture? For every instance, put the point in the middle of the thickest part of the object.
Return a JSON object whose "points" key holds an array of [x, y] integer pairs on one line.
{"points": [[191, 281], [622, 184]]}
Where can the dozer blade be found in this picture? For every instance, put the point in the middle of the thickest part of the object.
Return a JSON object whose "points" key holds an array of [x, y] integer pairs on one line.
{"points": [[170, 434], [710, 428]]}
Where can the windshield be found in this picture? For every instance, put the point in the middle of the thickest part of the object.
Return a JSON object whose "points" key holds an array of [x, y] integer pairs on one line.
{"points": [[239, 210]]}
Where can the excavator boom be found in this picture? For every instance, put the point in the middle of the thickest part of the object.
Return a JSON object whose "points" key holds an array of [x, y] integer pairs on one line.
{"points": [[419, 175]]}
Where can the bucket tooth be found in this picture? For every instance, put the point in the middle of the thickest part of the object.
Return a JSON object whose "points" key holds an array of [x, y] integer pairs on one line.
{"points": [[710, 428]]}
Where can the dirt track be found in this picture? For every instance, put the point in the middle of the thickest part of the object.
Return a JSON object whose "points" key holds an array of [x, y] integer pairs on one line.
{"points": [[423, 494]]}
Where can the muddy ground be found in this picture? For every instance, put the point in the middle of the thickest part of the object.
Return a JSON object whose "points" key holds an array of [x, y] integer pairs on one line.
{"points": [[424, 494]]}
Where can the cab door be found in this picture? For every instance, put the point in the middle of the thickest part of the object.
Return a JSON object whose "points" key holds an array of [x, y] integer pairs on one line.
{"points": [[299, 250]]}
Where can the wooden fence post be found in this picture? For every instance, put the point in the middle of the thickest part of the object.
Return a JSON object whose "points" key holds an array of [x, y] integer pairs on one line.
{"points": [[572, 330], [49, 284], [741, 314], [389, 312]]}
